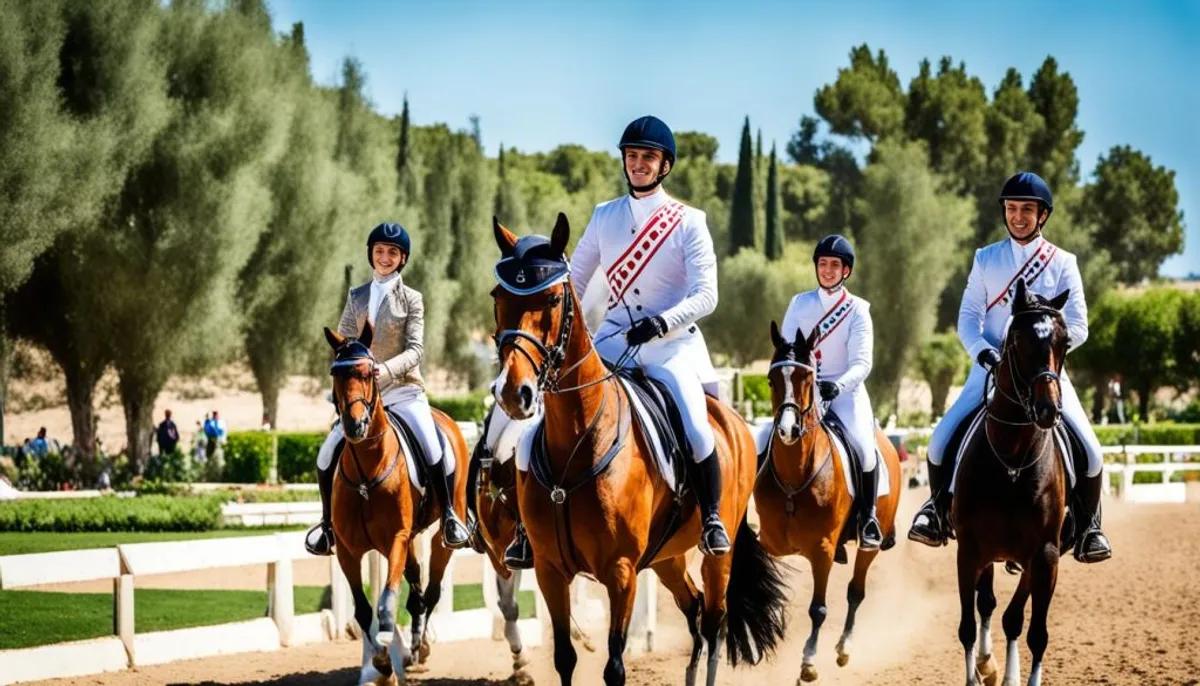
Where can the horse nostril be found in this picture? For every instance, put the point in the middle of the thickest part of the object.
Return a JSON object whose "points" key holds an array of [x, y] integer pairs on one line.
{"points": [[526, 393]]}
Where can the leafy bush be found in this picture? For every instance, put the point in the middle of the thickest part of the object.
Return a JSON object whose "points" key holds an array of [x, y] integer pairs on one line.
{"points": [[248, 457], [110, 513], [756, 387], [462, 408], [298, 457], [1165, 433], [175, 466]]}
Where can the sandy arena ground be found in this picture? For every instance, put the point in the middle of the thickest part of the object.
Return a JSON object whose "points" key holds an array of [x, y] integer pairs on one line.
{"points": [[1132, 620]]}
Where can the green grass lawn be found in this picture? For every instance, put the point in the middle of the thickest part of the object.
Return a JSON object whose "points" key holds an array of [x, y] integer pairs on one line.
{"points": [[31, 618], [20, 543]]}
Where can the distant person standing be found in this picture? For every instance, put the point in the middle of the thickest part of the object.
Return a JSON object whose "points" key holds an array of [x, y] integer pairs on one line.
{"points": [[1114, 389], [40, 446], [167, 435], [200, 442], [214, 430]]}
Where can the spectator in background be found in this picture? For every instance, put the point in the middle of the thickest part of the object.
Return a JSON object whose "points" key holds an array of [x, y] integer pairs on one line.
{"points": [[214, 430], [1114, 389], [39, 446], [200, 442], [167, 435]]}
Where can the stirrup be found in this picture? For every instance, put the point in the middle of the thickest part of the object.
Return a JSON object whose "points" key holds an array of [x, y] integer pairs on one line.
{"points": [[870, 535], [519, 554], [931, 534], [714, 540], [323, 545], [454, 533], [1100, 552]]}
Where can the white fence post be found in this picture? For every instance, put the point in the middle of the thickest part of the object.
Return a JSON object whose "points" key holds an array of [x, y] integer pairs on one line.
{"points": [[339, 599], [281, 601], [123, 625]]}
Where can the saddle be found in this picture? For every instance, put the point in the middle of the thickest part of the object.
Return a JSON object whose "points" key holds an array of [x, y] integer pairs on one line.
{"points": [[418, 461], [665, 422]]}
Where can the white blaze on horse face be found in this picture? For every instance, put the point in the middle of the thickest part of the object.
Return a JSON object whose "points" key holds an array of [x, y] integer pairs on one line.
{"points": [[498, 386], [787, 418]]}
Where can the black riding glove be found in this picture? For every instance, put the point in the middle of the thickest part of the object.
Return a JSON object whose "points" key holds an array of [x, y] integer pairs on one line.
{"points": [[988, 359], [829, 390], [646, 330]]}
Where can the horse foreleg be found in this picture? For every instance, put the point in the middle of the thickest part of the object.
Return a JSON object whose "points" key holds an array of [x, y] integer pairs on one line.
{"points": [[416, 604], [352, 569], [856, 591], [1044, 579], [506, 592], [985, 602], [556, 591], [621, 582], [439, 561], [715, 573], [399, 653], [1013, 621], [822, 562], [674, 575], [968, 577]]}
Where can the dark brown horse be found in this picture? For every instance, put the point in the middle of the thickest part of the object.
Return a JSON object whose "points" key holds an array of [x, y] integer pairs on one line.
{"points": [[1011, 493], [803, 502], [376, 507], [609, 506]]}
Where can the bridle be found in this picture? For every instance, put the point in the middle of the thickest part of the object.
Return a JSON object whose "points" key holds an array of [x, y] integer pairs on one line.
{"points": [[802, 413], [1023, 386], [347, 359]]}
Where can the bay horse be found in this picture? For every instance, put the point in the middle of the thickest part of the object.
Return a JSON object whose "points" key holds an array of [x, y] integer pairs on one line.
{"points": [[377, 507], [803, 501], [1011, 490], [609, 511]]}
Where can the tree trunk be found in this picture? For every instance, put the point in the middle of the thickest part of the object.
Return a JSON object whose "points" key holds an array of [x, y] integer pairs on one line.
{"points": [[81, 391], [1144, 394], [138, 401], [5, 358], [1099, 391], [937, 403], [270, 403]]}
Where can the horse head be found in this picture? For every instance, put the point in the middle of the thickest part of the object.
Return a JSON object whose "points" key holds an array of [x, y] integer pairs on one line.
{"points": [[1035, 348], [792, 377], [355, 392], [535, 307]]}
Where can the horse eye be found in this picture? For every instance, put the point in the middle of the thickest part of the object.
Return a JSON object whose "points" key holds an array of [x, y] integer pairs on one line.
{"points": [[554, 300]]}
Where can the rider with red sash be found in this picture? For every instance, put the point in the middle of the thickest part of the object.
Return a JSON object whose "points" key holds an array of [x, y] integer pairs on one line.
{"points": [[982, 323], [843, 360], [657, 258]]}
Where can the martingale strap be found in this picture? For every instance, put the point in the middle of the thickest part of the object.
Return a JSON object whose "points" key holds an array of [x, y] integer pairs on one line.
{"points": [[626, 269], [1029, 272]]}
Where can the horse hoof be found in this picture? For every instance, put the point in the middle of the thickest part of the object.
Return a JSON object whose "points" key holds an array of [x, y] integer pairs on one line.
{"points": [[843, 659], [808, 673], [520, 679], [385, 638], [382, 663], [520, 661], [987, 670], [424, 651]]}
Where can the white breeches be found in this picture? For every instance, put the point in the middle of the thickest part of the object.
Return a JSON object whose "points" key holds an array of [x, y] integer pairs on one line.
{"points": [[854, 409], [665, 361], [410, 403], [972, 396]]}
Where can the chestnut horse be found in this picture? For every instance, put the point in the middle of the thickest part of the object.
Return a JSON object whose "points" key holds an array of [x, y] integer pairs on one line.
{"points": [[1011, 490], [803, 502], [376, 507], [610, 509]]}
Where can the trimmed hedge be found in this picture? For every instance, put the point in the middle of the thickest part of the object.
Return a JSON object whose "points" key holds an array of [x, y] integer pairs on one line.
{"points": [[298, 457], [1164, 433], [462, 408], [248, 457], [756, 388], [109, 513]]}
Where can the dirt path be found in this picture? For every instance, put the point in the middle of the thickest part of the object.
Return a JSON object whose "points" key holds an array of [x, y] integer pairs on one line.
{"points": [[1132, 620]]}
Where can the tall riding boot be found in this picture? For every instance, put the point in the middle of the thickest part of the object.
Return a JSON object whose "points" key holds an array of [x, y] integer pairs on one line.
{"points": [[519, 554], [319, 539], [928, 526], [706, 479], [454, 532], [870, 534], [1091, 545]]}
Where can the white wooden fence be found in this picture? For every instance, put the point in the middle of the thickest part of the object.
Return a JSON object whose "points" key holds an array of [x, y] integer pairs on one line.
{"points": [[1163, 492], [281, 626]]}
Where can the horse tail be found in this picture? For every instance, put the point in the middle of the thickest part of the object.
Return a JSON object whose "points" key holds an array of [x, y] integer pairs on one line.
{"points": [[755, 600]]}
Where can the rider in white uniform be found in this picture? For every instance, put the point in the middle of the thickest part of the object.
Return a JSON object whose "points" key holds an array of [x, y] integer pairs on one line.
{"points": [[658, 260], [843, 359], [982, 323], [397, 313]]}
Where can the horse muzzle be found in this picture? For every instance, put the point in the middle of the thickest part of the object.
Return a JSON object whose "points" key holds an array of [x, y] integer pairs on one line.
{"points": [[787, 427]]}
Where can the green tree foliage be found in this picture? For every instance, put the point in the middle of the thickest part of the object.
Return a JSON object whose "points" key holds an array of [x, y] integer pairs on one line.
{"points": [[866, 100], [774, 232], [899, 270], [1146, 335], [1187, 343], [942, 362], [1135, 207], [752, 292], [1093, 363], [743, 231]]}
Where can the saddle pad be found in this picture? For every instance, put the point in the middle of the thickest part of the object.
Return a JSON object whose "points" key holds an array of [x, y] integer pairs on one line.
{"points": [[665, 468], [764, 430], [415, 475], [1060, 437]]}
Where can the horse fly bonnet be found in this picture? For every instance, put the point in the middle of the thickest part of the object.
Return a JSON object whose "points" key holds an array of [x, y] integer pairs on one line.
{"points": [[350, 354], [532, 266]]}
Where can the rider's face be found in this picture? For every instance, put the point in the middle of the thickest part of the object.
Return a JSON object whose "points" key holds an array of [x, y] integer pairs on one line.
{"points": [[387, 258], [831, 271], [643, 165], [1022, 217]]}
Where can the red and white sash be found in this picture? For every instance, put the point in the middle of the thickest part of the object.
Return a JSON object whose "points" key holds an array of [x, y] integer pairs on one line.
{"points": [[831, 320], [1029, 272], [628, 267]]}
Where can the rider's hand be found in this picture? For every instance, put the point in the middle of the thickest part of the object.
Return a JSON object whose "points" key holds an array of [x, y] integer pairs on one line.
{"points": [[383, 375], [988, 359], [829, 390], [645, 330]]}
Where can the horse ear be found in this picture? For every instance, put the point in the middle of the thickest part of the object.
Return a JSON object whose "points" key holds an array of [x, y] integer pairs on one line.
{"points": [[561, 235], [335, 339], [505, 239], [1020, 296], [811, 341], [367, 335], [776, 339], [1060, 299]]}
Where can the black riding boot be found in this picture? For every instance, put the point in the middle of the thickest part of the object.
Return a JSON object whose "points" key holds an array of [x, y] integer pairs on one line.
{"points": [[929, 525], [319, 539], [454, 532], [870, 534], [519, 554], [706, 479], [1091, 545]]}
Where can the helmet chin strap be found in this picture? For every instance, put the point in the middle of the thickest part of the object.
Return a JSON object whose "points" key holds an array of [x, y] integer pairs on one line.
{"points": [[648, 187]]}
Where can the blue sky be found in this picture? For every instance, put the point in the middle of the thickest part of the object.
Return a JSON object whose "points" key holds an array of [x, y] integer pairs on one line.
{"points": [[543, 73]]}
